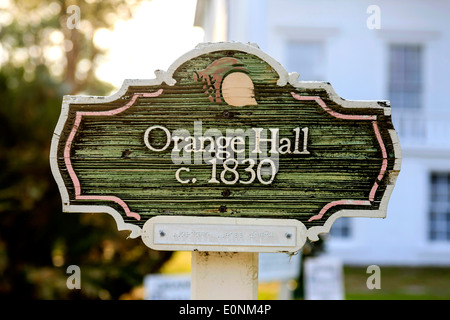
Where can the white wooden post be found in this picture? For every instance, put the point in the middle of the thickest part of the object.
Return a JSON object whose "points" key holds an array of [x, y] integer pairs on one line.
{"points": [[224, 275]]}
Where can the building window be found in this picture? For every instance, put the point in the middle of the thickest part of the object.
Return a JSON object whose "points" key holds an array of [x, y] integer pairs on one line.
{"points": [[306, 58], [341, 229], [405, 75], [439, 218]]}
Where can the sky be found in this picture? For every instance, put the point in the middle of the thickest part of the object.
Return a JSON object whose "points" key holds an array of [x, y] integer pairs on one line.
{"points": [[160, 32]]}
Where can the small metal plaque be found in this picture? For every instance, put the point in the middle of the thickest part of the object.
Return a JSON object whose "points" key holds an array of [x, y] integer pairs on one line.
{"points": [[233, 234], [214, 234]]}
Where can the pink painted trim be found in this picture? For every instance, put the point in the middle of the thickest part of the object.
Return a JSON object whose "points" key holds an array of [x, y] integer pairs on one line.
{"points": [[339, 203], [333, 113], [338, 115], [68, 162], [383, 165]]}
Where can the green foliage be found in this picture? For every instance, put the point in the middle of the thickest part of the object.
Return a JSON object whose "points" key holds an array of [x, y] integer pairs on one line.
{"points": [[399, 283], [37, 241]]}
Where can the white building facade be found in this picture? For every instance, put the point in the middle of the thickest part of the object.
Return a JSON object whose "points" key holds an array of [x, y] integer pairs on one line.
{"points": [[370, 50]]}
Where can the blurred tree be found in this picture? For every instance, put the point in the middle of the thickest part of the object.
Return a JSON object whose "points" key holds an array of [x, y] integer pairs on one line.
{"points": [[309, 250], [41, 59]]}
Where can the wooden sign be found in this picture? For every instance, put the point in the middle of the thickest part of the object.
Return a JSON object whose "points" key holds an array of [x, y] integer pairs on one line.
{"points": [[225, 150]]}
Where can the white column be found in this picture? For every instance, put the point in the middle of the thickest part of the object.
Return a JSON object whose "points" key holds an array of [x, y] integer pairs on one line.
{"points": [[224, 275]]}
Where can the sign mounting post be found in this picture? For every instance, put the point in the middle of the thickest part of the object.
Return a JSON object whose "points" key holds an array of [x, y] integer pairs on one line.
{"points": [[225, 152]]}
